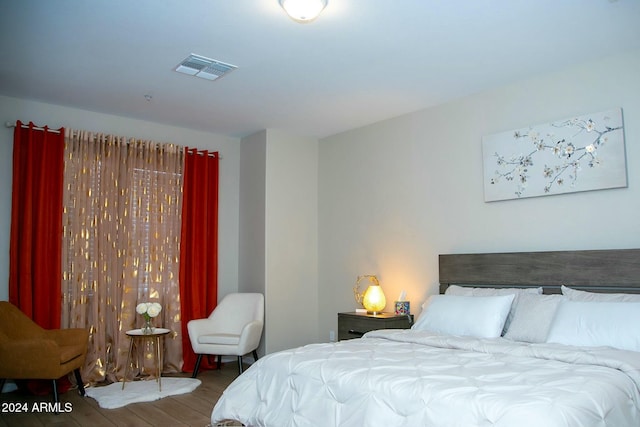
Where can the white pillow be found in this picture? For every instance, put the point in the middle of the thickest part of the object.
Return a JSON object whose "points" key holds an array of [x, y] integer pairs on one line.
{"points": [[486, 292], [596, 324], [533, 315], [576, 295], [481, 317]]}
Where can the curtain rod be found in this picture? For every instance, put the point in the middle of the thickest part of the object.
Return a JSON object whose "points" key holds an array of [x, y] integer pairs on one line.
{"points": [[12, 125], [26, 126], [199, 152]]}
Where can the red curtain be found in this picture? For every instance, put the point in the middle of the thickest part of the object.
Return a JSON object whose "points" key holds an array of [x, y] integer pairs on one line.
{"points": [[36, 223], [198, 244]]}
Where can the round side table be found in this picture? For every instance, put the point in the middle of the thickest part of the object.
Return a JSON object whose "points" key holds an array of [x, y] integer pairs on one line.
{"points": [[156, 337]]}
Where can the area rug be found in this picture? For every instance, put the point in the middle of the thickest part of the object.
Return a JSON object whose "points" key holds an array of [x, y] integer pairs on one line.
{"points": [[113, 396]]}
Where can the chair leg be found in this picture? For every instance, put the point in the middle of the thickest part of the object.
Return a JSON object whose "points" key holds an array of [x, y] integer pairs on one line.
{"points": [[195, 369], [240, 364], [255, 356], [219, 363], [55, 397], [79, 381]]}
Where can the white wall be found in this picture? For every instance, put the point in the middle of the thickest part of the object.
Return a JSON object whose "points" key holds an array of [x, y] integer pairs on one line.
{"points": [[291, 240], [384, 199], [12, 109], [279, 234], [251, 260], [394, 195], [253, 163]]}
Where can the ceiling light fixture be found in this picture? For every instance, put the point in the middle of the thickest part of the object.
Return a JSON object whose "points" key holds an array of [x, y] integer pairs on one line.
{"points": [[303, 10]]}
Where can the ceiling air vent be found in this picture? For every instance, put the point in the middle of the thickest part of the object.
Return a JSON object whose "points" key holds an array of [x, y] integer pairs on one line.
{"points": [[206, 68]]}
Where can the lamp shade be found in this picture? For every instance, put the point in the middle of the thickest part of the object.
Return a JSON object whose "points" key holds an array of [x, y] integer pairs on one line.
{"points": [[373, 299], [303, 10]]}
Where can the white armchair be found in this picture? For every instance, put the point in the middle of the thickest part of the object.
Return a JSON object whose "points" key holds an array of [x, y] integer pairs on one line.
{"points": [[233, 328]]}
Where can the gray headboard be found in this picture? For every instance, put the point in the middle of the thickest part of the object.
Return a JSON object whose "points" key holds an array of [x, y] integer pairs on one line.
{"points": [[615, 270]]}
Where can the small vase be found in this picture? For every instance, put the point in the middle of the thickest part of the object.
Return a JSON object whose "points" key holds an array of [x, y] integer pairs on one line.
{"points": [[147, 329]]}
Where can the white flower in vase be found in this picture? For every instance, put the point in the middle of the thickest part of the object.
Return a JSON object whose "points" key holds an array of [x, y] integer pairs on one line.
{"points": [[148, 310]]}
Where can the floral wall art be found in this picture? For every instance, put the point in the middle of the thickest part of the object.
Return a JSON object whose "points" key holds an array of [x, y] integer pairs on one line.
{"points": [[575, 154]]}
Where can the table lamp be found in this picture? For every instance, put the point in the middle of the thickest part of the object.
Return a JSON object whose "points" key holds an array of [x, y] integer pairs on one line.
{"points": [[373, 299]]}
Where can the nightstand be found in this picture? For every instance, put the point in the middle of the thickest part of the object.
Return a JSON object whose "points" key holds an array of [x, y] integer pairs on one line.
{"points": [[354, 325]]}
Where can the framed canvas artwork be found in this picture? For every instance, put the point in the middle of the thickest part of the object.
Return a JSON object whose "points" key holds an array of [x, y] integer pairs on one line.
{"points": [[576, 154]]}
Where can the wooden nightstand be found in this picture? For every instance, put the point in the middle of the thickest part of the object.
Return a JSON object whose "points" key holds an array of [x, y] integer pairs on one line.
{"points": [[354, 325]]}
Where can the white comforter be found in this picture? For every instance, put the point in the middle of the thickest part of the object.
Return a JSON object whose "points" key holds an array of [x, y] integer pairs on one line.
{"points": [[408, 378]]}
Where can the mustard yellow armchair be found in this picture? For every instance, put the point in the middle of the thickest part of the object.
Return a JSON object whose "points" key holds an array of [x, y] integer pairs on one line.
{"points": [[28, 351]]}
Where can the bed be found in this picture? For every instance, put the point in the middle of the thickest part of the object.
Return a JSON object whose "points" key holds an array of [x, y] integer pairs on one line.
{"points": [[513, 339]]}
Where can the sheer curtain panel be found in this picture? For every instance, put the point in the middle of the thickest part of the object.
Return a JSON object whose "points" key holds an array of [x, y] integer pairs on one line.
{"points": [[121, 223]]}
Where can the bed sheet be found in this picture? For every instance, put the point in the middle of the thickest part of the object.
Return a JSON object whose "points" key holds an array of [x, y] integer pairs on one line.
{"points": [[412, 378]]}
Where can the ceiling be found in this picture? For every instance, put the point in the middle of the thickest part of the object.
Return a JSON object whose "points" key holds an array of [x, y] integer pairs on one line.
{"points": [[360, 62]]}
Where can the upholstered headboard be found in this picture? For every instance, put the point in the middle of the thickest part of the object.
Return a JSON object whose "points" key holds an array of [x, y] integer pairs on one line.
{"points": [[595, 270]]}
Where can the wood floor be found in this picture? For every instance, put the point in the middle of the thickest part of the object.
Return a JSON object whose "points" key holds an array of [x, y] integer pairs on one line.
{"points": [[193, 409]]}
